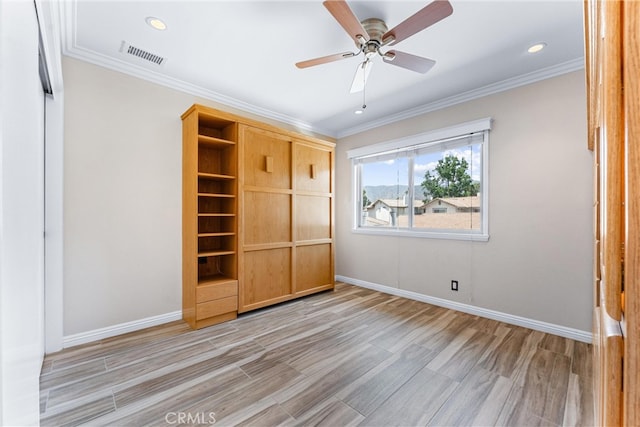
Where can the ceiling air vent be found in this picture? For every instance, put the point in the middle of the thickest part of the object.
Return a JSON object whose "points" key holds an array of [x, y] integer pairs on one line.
{"points": [[142, 54]]}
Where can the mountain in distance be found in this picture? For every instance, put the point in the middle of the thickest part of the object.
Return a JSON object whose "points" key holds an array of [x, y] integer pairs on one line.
{"points": [[394, 192], [375, 192]]}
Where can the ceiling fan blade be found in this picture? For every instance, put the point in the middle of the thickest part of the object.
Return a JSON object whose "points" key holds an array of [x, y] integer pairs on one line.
{"points": [[408, 61], [324, 59], [345, 17], [360, 79], [425, 17]]}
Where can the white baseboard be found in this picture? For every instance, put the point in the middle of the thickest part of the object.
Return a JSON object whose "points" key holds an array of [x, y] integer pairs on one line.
{"points": [[563, 331], [122, 328]]}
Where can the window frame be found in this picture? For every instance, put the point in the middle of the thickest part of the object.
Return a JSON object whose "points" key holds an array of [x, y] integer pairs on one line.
{"points": [[432, 139]]}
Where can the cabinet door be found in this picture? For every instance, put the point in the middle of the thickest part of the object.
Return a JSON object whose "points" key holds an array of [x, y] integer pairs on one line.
{"points": [[314, 267], [313, 168], [266, 159], [266, 218], [313, 220], [313, 217], [267, 278]]}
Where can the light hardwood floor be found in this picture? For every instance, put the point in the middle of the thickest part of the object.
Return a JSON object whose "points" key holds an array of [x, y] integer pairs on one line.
{"points": [[349, 357]]}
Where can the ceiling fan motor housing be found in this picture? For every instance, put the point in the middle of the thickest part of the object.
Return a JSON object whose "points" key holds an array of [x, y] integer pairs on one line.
{"points": [[375, 28]]}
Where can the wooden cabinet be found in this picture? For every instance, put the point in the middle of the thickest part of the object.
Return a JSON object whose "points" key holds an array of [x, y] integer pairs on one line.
{"points": [[286, 210], [257, 215], [265, 206], [612, 41], [209, 218], [313, 217]]}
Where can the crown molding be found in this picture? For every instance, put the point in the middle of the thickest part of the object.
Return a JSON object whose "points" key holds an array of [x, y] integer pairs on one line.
{"points": [[512, 83], [180, 85], [70, 48]]}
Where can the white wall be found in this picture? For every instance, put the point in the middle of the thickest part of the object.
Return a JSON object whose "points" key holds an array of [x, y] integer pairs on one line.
{"points": [[538, 261], [122, 198], [21, 215]]}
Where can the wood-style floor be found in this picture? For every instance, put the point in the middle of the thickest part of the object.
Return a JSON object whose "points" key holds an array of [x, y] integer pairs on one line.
{"points": [[349, 357]]}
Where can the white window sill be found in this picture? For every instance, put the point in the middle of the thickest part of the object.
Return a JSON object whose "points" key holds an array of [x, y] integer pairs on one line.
{"points": [[474, 237]]}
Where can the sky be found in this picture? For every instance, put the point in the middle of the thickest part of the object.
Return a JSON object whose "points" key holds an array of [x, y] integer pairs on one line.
{"points": [[394, 172]]}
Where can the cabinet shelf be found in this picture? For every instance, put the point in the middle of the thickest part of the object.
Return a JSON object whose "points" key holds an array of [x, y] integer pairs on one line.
{"points": [[215, 253], [213, 142], [215, 176], [219, 234], [214, 279], [202, 215], [221, 195]]}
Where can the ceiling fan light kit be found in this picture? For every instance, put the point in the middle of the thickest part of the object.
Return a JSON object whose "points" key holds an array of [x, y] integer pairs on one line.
{"points": [[372, 34]]}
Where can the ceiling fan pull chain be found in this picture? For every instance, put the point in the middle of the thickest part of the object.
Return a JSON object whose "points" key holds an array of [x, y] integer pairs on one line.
{"points": [[364, 90]]}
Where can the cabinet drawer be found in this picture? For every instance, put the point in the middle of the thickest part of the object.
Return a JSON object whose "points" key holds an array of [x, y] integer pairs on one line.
{"points": [[216, 307], [216, 291]]}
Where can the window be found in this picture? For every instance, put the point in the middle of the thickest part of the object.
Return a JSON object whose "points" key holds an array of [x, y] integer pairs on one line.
{"points": [[428, 185]]}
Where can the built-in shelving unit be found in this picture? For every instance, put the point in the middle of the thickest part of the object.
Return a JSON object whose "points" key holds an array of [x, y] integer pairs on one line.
{"points": [[210, 271], [257, 216]]}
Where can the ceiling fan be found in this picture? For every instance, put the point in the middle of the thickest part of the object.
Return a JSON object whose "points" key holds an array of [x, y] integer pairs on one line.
{"points": [[372, 34]]}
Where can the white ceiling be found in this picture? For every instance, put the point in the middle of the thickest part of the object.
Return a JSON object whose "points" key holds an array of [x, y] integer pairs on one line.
{"points": [[242, 53]]}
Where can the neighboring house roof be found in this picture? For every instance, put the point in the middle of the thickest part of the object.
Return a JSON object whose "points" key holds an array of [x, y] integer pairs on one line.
{"points": [[396, 203], [459, 202]]}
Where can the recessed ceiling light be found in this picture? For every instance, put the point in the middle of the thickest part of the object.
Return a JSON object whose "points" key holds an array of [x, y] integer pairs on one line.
{"points": [[156, 23], [536, 47], [358, 112]]}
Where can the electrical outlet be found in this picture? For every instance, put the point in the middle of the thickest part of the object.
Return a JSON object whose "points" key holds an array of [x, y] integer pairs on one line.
{"points": [[454, 285]]}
